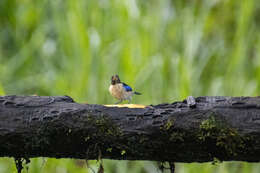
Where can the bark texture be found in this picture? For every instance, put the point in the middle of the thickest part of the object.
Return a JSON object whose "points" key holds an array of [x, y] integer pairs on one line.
{"points": [[197, 130]]}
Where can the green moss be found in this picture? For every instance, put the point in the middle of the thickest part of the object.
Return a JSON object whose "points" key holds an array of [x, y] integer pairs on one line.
{"points": [[209, 123], [226, 138], [109, 150], [208, 128], [216, 161], [106, 127], [86, 138], [230, 140], [168, 125], [177, 136], [123, 152]]}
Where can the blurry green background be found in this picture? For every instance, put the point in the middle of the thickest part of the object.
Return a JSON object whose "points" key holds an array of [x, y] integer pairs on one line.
{"points": [[165, 49]]}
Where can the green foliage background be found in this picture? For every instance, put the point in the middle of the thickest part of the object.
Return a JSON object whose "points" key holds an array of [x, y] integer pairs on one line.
{"points": [[165, 49]]}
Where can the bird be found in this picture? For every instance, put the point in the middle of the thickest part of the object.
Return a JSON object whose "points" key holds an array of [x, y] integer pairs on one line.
{"points": [[120, 90]]}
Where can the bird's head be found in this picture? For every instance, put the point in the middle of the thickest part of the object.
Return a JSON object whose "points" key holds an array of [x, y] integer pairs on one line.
{"points": [[115, 79]]}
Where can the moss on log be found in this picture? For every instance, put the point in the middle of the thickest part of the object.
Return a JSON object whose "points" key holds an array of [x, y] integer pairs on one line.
{"points": [[223, 128]]}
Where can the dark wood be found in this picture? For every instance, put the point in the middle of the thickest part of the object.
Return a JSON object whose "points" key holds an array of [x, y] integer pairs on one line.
{"points": [[224, 128]]}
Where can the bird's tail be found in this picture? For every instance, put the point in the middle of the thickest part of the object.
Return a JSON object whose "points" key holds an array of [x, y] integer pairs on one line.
{"points": [[137, 93]]}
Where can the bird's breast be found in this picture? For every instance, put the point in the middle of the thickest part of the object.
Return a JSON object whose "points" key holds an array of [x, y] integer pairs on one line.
{"points": [[117, 91]]}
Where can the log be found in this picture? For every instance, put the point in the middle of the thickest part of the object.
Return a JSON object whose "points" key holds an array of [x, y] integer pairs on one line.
{"points": [[198, 129]]}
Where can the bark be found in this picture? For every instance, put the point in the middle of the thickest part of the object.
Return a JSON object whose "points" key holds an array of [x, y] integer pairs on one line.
{"points": [[197, 130]]}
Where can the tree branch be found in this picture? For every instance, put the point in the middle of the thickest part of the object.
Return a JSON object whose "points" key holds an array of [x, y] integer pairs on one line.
{"points": [[226, 128]]}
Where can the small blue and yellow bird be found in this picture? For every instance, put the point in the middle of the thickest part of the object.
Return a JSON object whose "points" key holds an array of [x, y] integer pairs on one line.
{"points": [[120, 90]]}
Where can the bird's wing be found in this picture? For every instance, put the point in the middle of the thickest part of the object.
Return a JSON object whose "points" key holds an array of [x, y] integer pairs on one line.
{"points": [[127, 88]]}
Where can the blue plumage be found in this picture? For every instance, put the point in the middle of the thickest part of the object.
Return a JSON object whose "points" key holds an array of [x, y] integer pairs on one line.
{"points": [[127, 88]]}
